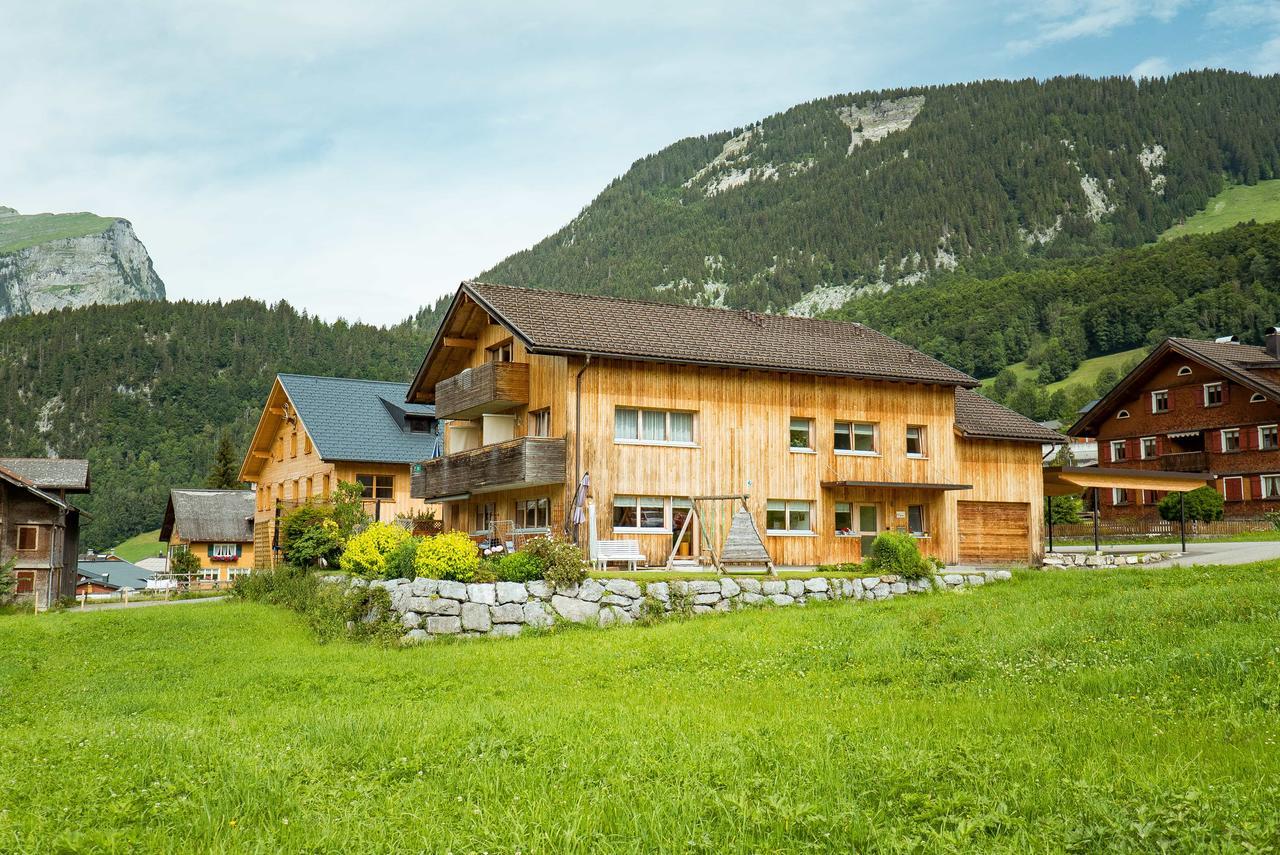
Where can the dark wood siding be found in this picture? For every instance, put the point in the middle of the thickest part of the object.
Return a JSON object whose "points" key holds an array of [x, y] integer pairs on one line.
{"points": [[524, 462], [489, 388]]}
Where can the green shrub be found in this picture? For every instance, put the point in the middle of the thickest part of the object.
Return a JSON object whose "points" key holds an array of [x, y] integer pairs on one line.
{"points": [[843, 567], [451, 555], [331, 611], [1204, 504], [286, 585], [185, 566], [399, 562], [1272, 517], [518, 567], [562, 562], [898, 553], [366, 553], [310, 537]]}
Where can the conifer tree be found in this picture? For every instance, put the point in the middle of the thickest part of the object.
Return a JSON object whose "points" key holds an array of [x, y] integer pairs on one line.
{"points": [[225, 472]]}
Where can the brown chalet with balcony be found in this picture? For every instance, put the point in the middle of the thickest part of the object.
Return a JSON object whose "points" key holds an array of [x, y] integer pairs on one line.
{"points": [[1194, 406], [831, 430]]}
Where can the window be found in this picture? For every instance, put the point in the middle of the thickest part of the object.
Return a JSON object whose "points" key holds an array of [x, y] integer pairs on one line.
{"points": [[293, 444], [540, 423], [915, 441], [652, 426], [1123, 414], [1148, 447], [1117, 450], [855, 437], [801, 435], [306, 443], [1268, 438], [639, 512], [788, 517], [1212, 394], [854, 519], [1233, 489], [1119, 496], [28, 538], [500, 352], [1231, 439], [1257, 398], [1270, 486], [533, 514], [1160, 401], [1184, 371], [223, 552], [209, 574], [485, 514], [916, 520], [376, 487], [416, 424]]}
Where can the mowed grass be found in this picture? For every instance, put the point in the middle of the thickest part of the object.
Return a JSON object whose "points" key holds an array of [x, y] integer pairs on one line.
{"points": [[1237, 204], [1063, 711], [1086, 372], [24, 230], [145, 545]]}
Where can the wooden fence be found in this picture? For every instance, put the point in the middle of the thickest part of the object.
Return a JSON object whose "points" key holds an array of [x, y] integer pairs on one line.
{"points": [[1162, 528]]}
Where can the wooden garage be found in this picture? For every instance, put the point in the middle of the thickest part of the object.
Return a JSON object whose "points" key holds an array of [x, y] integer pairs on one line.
{"points": [[994, 531]]}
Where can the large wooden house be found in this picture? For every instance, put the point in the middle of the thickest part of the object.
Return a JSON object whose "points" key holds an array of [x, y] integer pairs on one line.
{"points": [[315, 432], [832, 430], [39, 527], [1194, 406], [216, 526]]}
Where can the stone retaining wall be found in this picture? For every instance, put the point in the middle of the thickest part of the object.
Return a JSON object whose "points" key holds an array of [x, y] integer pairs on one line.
{"points": [[431, 607], [1099, 559]]}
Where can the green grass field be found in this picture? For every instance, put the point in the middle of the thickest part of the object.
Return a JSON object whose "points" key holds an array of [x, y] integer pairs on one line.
{"points": [[24, 230], [1086, 372], [145, 545], [1128, 711], [1237, 204]]}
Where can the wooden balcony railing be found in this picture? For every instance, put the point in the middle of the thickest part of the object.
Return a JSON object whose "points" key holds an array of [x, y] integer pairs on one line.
{"points": [[489, 388], [529, 461]]}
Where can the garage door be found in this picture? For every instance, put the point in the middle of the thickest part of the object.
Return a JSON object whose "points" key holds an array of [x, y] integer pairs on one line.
{"points": [[994, 531]]}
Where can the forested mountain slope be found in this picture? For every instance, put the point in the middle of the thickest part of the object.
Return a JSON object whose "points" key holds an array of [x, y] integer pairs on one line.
{"points": [[144, 389], [875, 188]]}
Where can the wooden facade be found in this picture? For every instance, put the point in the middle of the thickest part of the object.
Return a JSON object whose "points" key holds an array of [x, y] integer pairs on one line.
{"points": [[40, 533], [727, 431]]}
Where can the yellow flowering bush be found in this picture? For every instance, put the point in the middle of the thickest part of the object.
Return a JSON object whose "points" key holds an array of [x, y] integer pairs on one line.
{"points": [[366, 553], [451, 555]]}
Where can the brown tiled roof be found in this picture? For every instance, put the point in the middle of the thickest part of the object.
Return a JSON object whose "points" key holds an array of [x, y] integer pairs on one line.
{"points": [[560, 323], [982, 418]]}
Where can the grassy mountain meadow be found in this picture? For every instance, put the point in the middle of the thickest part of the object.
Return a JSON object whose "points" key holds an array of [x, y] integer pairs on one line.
{"points": [[20, 231]]}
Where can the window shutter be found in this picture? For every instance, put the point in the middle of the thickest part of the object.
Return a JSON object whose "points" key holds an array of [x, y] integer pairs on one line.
{"points": [[211, 550], [1255, 486], [1133, 448], [239, 550], [1213, 441]]}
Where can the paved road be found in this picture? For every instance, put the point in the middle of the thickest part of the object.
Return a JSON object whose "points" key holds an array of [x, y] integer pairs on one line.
{"points": [[1197, 553], [142, 604]]}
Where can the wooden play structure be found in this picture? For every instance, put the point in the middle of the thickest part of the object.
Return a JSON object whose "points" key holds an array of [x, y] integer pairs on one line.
{"points": [[729, 534]]}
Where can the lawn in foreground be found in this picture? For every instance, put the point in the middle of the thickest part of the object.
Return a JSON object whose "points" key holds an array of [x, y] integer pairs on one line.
{"points": [[1092, 711]]}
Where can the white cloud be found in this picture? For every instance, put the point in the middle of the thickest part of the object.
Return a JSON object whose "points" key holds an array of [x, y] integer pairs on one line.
{"points": [[1067, 20], [1153, 66]]}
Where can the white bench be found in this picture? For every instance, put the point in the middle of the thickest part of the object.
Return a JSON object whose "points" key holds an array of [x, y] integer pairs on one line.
{"points": [[623, 551]]}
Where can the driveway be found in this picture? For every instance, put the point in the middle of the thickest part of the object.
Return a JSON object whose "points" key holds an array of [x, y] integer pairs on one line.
{"points": [[1197, 553]]}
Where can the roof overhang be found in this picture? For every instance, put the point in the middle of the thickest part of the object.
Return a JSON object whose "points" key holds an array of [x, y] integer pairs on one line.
{"points": [[1070, 480], [896, 485], [279, 407]]}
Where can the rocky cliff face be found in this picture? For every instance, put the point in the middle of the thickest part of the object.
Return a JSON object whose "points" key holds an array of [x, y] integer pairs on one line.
{"points": [[45, 264]]}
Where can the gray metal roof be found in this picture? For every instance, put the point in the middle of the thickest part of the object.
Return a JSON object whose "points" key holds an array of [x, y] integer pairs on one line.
{"points": [[117, 573], [51, 473], [359, 420], [209, 516]]}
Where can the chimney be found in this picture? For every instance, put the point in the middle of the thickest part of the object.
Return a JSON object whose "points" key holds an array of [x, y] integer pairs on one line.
{"points": [[1273, 342]]}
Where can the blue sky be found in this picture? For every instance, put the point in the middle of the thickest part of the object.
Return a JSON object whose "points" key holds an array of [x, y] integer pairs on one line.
{"points": [[359, 158]]}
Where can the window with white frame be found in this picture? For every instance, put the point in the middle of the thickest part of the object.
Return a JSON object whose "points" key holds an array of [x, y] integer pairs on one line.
{"points": [[1257, 398], [915, 441], [639, 513], [1212, 394], [1123, 414], [540, 423], [209, 574], [1119, 496], [1268, 437], [1184, 371], [801, 435], [1118, 451], [1148, 447], [533, 514], [656, 427], [1270, 487], [223, 552], [856, 438], [852, 520], [236, 572], [1160, 401], [785, 516], [917, 522], [1231, 439]]}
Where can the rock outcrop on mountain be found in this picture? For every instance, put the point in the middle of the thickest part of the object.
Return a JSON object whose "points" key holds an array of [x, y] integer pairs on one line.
{"points": [[52, 261]]}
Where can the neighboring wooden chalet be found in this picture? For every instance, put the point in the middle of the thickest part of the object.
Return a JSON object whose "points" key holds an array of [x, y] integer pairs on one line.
{"points": [[835, 431], [214, 525], [39, 527], [1194, 406], [315, 432]]}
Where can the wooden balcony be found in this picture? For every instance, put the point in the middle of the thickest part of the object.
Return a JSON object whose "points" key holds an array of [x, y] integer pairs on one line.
{"points": [[1187, 461], [489, 388], [525, 462]]}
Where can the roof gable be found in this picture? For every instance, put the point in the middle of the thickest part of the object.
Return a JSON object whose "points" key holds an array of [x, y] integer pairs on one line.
{"points": [[551, 322]]}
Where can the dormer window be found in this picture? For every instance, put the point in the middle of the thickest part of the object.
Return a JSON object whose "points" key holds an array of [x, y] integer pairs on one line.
{"points": [[420, 424], [1184, 371]]}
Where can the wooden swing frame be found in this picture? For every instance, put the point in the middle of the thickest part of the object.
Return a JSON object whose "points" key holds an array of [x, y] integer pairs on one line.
{"points": [[720, 521]]}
